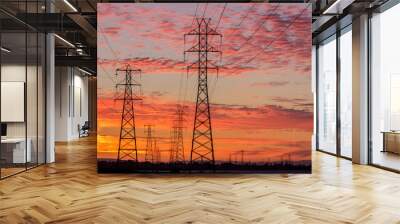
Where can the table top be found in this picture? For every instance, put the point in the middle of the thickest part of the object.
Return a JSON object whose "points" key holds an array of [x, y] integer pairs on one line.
{"points": [[13, 140], [391, 132]]}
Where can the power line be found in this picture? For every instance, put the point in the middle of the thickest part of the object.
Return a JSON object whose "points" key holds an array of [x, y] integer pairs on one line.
{"points": [[213, 86], [205, 9], [247, 14], [220, 16], [195, 14], [107, 74], [216, 79], [107, 42], [258, 28], [243, 18], [280, 34]]}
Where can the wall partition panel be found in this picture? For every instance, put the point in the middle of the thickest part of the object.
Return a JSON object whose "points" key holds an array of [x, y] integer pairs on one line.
{"points": [[346, 92], [13, 88], [31, 98], [41, 96], [385, 89], [22, 77], [327, 95]]}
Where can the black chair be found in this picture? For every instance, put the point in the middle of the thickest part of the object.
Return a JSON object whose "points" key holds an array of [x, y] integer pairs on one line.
{"points": [[84, 130]]}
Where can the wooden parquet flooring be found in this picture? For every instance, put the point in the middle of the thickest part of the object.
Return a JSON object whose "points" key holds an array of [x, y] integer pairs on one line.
{"points": [[71, 191]]}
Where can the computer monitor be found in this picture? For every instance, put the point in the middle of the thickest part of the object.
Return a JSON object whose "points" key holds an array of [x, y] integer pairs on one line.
{"points": [[3, 130]]}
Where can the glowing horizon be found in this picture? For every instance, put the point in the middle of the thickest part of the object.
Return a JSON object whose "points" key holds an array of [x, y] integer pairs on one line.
{"points": [[260, 103]]}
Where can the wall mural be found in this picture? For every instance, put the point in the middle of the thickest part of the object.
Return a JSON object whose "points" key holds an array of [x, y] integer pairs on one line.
{"points": [[204, 87]]}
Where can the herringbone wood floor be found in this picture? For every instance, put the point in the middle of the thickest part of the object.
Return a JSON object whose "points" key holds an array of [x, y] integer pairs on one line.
{"points": [[70, 191]]}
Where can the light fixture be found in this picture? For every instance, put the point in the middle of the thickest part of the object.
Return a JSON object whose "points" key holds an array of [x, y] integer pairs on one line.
{"points": [[5, 50], [64, 40], [84, 71], [328, 10], [70, 5], [337, 7]]}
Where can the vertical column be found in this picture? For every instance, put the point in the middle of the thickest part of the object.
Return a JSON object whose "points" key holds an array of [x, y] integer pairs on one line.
{"points": [[92, 103], [338, 91], [360, 90], [50, 92], [314, 92]]}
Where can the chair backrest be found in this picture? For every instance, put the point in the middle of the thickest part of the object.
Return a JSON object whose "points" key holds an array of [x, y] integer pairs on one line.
{"points": [[86, 124]]}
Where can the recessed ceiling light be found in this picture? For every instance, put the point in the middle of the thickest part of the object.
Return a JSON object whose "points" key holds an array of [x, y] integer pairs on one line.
{"points": [[5, 50], [84, 71], [337, 7], [70, 5], [64, 40]]}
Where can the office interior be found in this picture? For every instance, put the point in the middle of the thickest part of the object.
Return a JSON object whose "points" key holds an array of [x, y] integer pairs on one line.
{"points": [[376, 93], [48, 80], [48, 104], [44, 98]]}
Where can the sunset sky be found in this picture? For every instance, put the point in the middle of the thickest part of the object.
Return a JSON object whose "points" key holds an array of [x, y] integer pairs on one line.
{"points": [[261, 101]]}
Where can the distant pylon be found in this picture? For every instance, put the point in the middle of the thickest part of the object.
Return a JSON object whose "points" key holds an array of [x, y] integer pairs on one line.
{"points": [[172, 145], [156, 151], [127, 149], [177, 148], [202, 142], [149, 155]]}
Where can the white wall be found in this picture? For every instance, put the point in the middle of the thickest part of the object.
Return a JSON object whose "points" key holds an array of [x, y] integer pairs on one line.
{"points": [[16, 73], [33, 126], [71, 102]]}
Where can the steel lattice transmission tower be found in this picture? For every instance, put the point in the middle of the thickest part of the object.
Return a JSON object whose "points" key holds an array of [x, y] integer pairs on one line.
{"points": [[127, 149], [156, 151], [149, 155], [177, 148], [202, 141]]}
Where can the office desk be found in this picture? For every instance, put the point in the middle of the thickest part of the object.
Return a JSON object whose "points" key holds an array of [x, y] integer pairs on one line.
{"points": [[391, 141], [13, 150]]}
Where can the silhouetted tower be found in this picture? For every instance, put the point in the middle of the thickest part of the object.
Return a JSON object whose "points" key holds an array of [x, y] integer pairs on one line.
{"points": [[202, 141], [149, 155], [127, 149], [177, 148], [156, 151], [172, 146]]}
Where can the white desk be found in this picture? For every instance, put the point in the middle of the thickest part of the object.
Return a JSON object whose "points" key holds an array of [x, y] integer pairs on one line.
{"points": [[18, 148]]}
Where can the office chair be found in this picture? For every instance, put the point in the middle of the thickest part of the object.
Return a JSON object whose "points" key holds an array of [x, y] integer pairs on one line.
{"points": [[84, 130]]}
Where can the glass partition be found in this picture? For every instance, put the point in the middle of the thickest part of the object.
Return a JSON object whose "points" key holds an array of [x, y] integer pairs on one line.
{"points": [[345, 92], [13, 90], [327, 95], [385, 89], [22, 90]]}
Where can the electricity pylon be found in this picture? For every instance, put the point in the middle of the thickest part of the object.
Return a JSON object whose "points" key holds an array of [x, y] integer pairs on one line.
{"points": [[172, 146], [127, 149], [202, 142], [177, 148], [149, 155], [156, 151]]}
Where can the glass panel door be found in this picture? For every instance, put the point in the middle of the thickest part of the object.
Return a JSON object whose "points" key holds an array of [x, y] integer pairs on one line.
{"points": [[346, 93], [385, 89], [327, 95]]}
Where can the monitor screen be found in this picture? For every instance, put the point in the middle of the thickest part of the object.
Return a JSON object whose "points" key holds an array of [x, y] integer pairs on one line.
{"points": [[3, 129]]}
